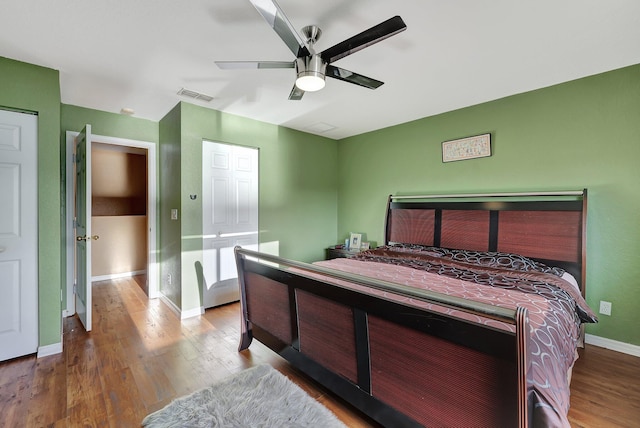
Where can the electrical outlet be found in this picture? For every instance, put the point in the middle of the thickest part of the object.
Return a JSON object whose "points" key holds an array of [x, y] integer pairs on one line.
{"points": [[169, 279], [605, 307], [174, 213]]}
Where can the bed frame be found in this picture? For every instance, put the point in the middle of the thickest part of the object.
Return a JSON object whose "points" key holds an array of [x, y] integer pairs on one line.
{"points": [[399, 364]]}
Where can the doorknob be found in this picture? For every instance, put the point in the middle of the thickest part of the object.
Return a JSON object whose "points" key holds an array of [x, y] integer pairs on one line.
{"points": [[87, 238]]}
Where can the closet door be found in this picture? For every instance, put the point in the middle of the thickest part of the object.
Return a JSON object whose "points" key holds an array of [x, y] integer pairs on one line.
{"points": [[18, 235], [229, 216]]}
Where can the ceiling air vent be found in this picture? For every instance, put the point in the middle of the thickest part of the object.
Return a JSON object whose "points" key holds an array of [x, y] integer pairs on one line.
{"points": [[320, 127], [194, 94]]}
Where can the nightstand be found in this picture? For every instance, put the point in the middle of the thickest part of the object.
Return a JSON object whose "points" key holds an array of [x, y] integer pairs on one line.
{"points": [[335, 253]]}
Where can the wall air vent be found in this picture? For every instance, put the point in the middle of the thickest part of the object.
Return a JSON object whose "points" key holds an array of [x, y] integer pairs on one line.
{"points": [[193, 94]]}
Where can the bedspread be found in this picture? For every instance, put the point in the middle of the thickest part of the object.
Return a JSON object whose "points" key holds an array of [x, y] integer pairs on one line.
{"points": [[555, 309]]}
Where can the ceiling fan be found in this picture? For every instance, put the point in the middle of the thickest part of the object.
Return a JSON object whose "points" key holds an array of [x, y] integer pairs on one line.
{"points": [[311, 67]]}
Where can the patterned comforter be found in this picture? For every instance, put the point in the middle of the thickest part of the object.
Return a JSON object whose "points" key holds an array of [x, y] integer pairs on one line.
{"points": [[556, 308]]}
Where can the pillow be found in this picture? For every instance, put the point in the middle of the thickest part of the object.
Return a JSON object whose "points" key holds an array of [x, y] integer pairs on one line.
{"points": [[571, 280], [494, 259]]}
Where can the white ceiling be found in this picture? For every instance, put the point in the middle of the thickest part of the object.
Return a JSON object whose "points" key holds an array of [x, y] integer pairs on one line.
{"points": [[115, 54]]}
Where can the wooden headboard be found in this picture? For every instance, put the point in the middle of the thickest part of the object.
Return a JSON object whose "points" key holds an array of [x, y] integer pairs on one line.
{"points": [[549, 227]]}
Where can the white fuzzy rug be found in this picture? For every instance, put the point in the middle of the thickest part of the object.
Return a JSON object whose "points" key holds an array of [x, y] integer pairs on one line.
{"points": [[258, 397]]}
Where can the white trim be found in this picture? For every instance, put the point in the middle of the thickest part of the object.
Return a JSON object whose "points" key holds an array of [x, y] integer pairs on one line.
{"points": [[614, 345], [53, 349], [152, 203], [117, 275], [195, 312], [170, 304], [70, 307]]}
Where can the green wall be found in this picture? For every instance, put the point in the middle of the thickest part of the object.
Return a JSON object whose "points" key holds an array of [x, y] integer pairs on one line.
{"points": [[298, 188], [74, 118], [580, 134], [583, 133], [36, 89], [170, 196]]}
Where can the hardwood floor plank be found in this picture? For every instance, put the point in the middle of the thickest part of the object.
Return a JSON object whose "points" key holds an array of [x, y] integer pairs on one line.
{"points": [[16, 378], [122, 398], [605, 389], [88, 414], [140, 356], [82, 383], [152, 383], [48, 401]]}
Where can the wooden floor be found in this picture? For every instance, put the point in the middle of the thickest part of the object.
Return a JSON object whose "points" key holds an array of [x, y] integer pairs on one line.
{"points": [[139, 357]]}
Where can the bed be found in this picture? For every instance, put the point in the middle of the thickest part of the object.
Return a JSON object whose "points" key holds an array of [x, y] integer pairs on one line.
{"points": [[469, 314]]}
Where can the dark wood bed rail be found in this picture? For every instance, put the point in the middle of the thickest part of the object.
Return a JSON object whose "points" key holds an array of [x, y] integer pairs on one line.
{"points": [[400, 364]]}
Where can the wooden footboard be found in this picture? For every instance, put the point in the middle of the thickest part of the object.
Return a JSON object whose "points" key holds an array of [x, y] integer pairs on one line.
{"points": [[401, 365]]}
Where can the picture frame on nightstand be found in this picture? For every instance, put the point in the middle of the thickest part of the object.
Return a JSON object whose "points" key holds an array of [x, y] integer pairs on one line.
{"points": [[355, 241]]}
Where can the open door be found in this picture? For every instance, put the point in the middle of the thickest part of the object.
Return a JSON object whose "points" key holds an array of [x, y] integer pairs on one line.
{"points": [[83, 227]]}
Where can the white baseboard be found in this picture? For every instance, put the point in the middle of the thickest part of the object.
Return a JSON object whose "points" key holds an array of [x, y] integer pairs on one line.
{"points": [[180, 313], [195, 312], [170, 304], [117, 275], [54, 348], [614, 345]]}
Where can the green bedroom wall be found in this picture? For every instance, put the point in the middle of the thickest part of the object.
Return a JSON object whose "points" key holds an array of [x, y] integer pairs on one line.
{"points": [[74, 118], [170, 167], [298, 187], [583, 133], [36, 89], [580, 134]]}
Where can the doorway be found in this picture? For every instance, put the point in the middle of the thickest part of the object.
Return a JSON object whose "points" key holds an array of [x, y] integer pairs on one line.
{"points": [[119, 212], [122, 213]]}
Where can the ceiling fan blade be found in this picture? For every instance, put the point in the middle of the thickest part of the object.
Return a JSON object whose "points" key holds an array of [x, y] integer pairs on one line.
{"points": [[296, 93], [351, 77], [235, 65], [276, 18], [368, 37]]}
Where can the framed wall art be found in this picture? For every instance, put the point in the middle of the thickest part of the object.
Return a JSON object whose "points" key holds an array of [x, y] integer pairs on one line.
{"points": [[478, 146]]}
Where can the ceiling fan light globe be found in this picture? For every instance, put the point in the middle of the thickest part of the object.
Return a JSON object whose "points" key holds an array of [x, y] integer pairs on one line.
{"points": [[310, 82], [310, 71]]}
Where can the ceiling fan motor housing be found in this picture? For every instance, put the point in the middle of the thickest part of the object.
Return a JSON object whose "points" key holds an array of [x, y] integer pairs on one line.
{"points": [[311, 71]]}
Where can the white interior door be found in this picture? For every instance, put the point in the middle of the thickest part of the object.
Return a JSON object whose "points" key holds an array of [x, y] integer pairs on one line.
{"points": [[152, 266], [83, 227], [18, 235], [230, 216]]}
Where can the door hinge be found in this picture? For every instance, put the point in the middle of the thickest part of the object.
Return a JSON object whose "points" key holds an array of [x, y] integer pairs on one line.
{"points": [[75, 288], [74, 158]]}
